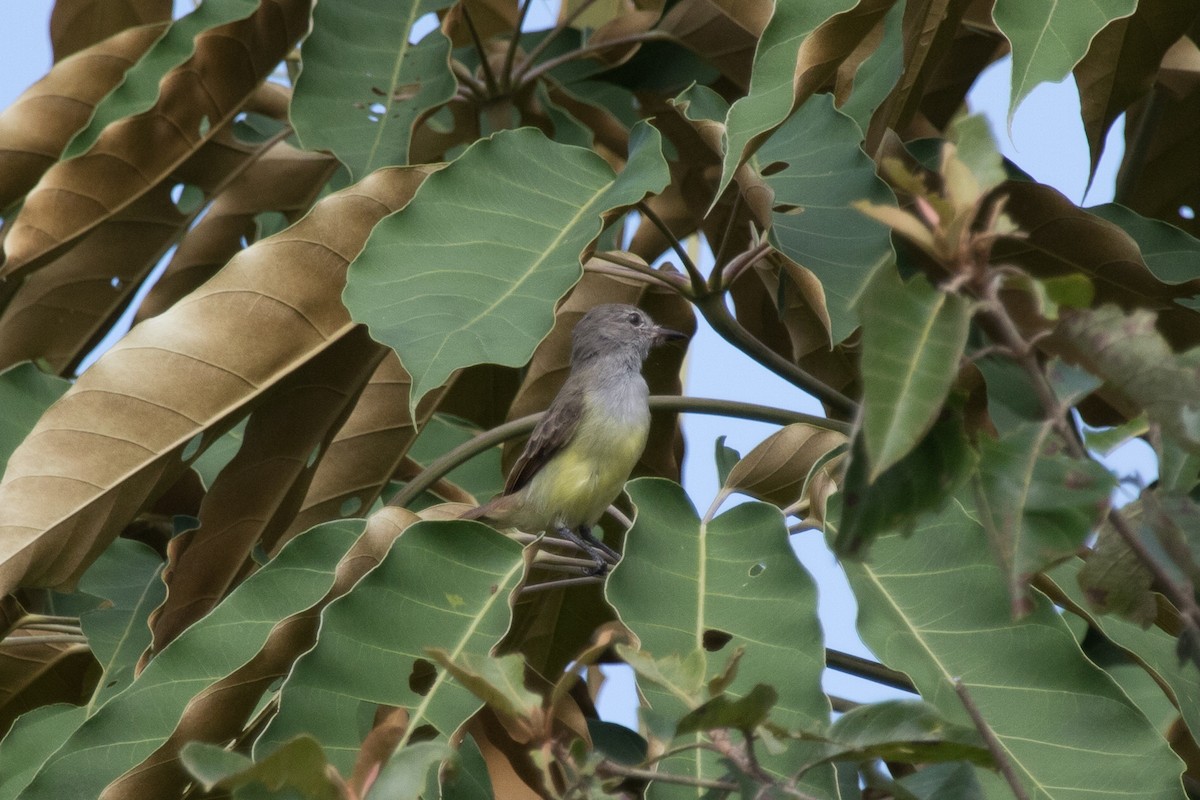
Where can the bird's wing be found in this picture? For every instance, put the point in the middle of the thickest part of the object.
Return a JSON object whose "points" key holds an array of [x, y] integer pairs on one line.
{"points": [[551, 435]]}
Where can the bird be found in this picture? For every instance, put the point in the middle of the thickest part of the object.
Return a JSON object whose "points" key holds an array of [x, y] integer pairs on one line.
{"points": [[582, 451]]}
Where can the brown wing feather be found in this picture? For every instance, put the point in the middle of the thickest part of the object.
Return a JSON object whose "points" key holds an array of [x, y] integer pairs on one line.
{"points": [[551, 435]]}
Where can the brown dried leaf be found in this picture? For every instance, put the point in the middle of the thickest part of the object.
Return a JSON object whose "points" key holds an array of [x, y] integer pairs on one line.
{"points": [[79, 24], [832, 43], [36, 128], [1160, 176], [778, 468], [1122, 62], [283, 179], [388, 729], [366, 452], [929, 29], [219, 713], [976, 44], [490, 18], [132, 423], [34, 674], [284, 440], [133, 155], [723, 31], [61, 311], [512, 773]]}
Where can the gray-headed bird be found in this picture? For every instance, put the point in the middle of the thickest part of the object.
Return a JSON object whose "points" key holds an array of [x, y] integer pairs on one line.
{"points": [[581, 453]]}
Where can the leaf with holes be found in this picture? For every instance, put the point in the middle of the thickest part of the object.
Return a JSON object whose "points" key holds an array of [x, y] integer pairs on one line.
{"points": [[364, 82], [444, 584], [913, 338], [471, 270], [687, 585], [813, 222]]}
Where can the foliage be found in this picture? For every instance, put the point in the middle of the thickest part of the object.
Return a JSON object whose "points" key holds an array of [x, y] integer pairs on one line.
{"points": [[230, 558]]}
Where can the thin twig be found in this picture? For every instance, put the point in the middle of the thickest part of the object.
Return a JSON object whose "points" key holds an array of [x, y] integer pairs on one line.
{"points": [[699, 285], [560, 584], [530, 75], [628, 268], [726, 235], [440, 467], [742, 262], [488, 76], [612, 768], [871, 670], [506, 73], [549, 38], [52, 627], [989, 738], [718, 316]]}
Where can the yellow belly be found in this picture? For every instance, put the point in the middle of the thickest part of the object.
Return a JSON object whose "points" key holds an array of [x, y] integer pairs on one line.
{"points": [[581, 481]]}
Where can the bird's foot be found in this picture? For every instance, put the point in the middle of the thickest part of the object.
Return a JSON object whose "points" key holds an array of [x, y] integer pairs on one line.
{"points": [[610, 555], [601, 563]]}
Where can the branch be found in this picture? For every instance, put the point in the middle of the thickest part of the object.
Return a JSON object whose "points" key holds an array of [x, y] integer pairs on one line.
{"points": [[614, 769], [989, 738], [718, 316], [639, 270], [440, 467], [870, 670]]}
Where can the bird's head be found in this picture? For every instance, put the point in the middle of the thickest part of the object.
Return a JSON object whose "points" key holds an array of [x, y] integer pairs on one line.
{"points": [[615, 328]]}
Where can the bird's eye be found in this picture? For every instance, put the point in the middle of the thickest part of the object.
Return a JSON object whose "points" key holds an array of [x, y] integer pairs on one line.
{"points": [[635, 320]]}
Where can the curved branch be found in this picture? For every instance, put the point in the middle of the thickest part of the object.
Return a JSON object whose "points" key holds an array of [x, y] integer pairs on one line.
{"points": [[439, 467]]}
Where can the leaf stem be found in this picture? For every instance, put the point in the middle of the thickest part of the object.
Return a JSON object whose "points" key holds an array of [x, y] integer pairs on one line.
{"points": [[19, 641], [562, 583], [488, 76], [439, 467], [549, 38], [699, 285], [613, 768], [718, 316], [640, 270], [469, 81], [989, 738], [506, 74], [530, 75]]}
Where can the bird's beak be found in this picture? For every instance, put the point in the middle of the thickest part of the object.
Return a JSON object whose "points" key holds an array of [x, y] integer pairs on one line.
{"points": [[663, 335]]}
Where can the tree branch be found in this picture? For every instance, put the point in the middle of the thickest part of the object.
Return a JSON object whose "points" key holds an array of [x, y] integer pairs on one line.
{"points": [[718, 316], [549, 38], [488, 76], [870, 670], [439, 467], [699, 285], [506, 73]]}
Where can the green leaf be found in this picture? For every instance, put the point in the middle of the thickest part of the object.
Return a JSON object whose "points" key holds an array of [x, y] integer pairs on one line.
{"points": [[1106, 440], [939, 612], [470, 270], [298, 769], [1114, 579], [813, 221], [405, 775], [726, 458], [443, 584], [1037, 508], [1151, 648], [466, 777], [975, 148], [1171, 254], [1129, 353], [131, 725], [498, 681], [910, 731], [364, 84], [913, 339], [127, 575], [617, 743], [1049, 39], [879, 72], [771, 97], [921, 483], [954, 781], [138, 92], [687, 585], [214, 458], [743, 713], [31, 740], [25, 393], [481, 476]]}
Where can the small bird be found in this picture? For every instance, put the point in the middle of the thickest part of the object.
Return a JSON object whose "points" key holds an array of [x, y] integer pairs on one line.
{"points": [[581, 453]]}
